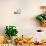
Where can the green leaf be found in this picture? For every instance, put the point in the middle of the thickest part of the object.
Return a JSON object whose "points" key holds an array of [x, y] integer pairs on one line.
{"points": [[40, 18]]}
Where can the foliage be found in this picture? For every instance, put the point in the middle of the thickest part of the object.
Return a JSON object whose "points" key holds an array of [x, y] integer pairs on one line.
{"points": [[11, 31], [41, 17]]}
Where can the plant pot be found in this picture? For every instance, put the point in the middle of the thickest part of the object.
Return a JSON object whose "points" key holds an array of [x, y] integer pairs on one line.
{"points": [[43, 23]]}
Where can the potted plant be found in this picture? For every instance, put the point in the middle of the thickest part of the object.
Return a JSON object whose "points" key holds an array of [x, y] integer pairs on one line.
{"points": [[42, 17], [10, 31]]}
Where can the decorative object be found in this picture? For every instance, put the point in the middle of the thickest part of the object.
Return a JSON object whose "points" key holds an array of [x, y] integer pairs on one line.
{"points": [[42, 17], [10, 31]]}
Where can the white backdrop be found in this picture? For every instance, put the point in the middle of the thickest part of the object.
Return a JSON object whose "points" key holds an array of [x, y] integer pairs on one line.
{"points": [[25, 22]]}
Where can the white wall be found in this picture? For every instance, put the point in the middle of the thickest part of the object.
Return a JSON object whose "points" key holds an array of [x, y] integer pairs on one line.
{"points": [[25, 22]]}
